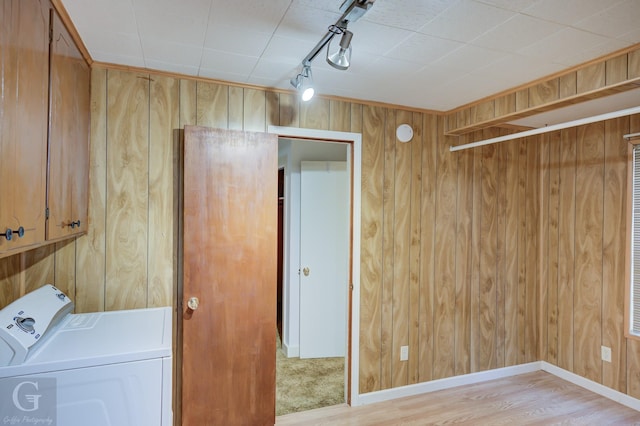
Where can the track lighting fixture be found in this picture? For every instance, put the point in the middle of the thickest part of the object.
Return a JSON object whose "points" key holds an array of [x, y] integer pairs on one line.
{"points": [[352, 10], [304, 83], [341, 59]]}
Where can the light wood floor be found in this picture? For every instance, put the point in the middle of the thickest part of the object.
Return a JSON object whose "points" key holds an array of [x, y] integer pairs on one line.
{"points": [[536, 398]]}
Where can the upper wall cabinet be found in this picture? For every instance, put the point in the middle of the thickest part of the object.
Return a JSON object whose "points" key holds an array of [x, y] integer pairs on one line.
{"points": [[69, 98], [24, 66]]}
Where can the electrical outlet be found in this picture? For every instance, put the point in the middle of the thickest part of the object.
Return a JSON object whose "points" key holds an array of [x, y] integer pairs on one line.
{"points": [[606, 353], [404, 353]]}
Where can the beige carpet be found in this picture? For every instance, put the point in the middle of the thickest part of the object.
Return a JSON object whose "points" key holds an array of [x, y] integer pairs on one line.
{"points": [[305, 384]]}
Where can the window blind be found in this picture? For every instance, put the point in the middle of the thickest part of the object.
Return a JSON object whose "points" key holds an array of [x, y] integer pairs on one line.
{"points": [[635, 249]]}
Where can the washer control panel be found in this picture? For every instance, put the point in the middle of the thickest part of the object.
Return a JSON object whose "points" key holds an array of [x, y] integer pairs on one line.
{"points": [[26, 321]]}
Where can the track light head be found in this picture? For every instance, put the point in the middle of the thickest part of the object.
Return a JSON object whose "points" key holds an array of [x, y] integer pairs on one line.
{"points": [[303, 83], [341, 59]]}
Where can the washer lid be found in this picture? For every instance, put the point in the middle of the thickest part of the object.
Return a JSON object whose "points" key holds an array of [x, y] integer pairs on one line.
{"points": [[85, 340]]}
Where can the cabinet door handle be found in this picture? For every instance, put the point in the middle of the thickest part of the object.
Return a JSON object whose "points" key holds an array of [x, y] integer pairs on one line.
{"points": [[74, 224], [8, 234]]}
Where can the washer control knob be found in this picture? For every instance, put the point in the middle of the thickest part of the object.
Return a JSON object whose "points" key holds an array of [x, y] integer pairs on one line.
{"points": [[26, 324]]}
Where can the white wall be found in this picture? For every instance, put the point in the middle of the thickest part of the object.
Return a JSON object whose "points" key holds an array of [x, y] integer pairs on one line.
{"points": [[290, 154]]}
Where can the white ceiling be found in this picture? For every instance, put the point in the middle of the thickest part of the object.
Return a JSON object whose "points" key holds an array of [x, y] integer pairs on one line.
{"points": [[433, 54]]}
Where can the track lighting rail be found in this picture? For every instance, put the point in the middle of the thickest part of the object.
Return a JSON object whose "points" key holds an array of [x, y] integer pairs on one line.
{"points": [[352, 10]]}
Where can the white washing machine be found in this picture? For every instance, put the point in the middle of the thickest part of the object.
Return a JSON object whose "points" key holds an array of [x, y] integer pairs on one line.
{"points": [[109, 368]]}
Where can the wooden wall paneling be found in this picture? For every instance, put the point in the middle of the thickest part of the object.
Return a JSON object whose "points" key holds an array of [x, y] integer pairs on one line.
{"points": [[544, 176], [633, 345], [39, 268], [272, 108], [483, 111], [444, 292], [521, 294], [289, 110], [64, 267], [255, 110], [505, 104], [91, 248], [474, 284], [9, 279], [212, 105], [414, 253], [531, 228], [371, 248], [616, 70], [588, 279], [544, 92], [428, 226], [568, 86], [554, 167], [387, 357], [487, 309], [356, 118], [591, 77], [314, 114], [339, 116], [401, 250], [633, 368], [633, 68], [236, 108], [464, 254], [512, 213], [501, 220], [522, 99], [463, 117], [451, 120], [444, 182], [566, 247], [188, 103], [127, 190], [164, 119], [613, 249]]}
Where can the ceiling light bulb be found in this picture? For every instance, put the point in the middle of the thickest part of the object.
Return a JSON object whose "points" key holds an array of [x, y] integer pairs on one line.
{"points": [[342, 58], [307, 94]]}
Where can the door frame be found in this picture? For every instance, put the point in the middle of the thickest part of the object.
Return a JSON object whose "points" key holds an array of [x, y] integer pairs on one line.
{"points": [[354, 159]]}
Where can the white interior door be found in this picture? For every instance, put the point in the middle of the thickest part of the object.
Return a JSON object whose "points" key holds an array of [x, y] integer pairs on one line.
{"points": [[324, 258]]}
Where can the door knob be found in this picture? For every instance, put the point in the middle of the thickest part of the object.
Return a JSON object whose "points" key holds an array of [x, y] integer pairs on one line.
{"points": [[193, 303], [305, 271]]}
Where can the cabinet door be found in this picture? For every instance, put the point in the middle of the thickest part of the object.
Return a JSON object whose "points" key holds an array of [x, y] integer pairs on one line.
{"points": [[68, 179], [24, 66]]}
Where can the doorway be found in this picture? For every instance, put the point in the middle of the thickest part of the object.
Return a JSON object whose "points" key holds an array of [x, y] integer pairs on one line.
{"points": [[316, 201], [353, 144]]}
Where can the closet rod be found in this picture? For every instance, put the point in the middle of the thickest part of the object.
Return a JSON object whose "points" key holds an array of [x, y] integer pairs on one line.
{"points": [[631, 135], [551, 128]]}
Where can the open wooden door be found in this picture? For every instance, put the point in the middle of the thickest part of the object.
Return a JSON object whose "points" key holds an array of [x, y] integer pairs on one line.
{"points": [[229, 265]]}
